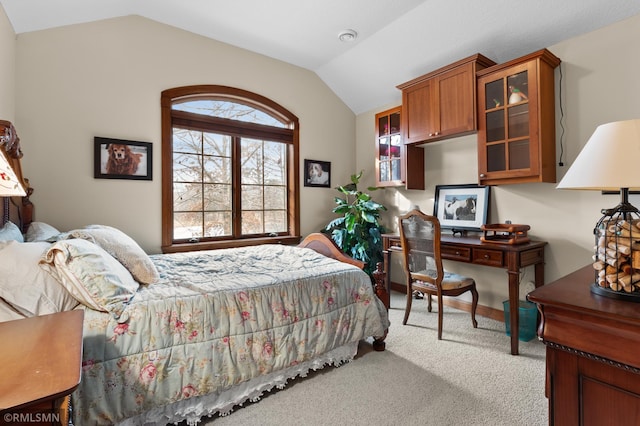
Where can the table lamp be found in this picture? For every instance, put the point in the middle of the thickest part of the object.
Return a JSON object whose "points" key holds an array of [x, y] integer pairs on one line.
{"points": [[10, 185], [610, 161]]}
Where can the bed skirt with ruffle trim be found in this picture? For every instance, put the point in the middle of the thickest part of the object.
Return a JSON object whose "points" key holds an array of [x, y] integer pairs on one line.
{"points": [[192, 410]]}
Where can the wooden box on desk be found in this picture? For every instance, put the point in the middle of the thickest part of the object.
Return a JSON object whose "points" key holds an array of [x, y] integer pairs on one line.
{"points": [[505, 233]]}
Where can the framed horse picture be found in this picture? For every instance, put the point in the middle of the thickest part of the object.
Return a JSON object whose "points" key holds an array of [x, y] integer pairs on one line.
{"points": [[462, 207]]}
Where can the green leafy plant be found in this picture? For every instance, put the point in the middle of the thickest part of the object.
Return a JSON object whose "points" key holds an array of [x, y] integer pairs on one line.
{"points": [[358, 231]]}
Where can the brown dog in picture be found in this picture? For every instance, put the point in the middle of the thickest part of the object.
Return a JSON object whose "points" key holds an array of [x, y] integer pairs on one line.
{"points": [[122, 161]]}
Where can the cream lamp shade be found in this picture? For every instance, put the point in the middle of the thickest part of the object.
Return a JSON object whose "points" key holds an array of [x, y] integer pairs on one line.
{"points": [[9, 184], [609, 161]]}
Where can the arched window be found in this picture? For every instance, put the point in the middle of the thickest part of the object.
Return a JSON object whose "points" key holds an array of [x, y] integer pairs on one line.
{"points": [[229, 169]]}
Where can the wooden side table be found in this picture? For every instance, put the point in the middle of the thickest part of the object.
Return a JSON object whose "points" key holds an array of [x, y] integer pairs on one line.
{"points": [[40, 365]]}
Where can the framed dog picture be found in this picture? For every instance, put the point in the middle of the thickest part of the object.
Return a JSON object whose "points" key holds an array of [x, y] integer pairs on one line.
{"points": [[462, 207], [122, 159], [317, 173]]}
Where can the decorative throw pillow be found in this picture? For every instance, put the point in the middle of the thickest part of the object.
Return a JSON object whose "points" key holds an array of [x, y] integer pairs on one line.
{"points": [[123, 248], [25, 286], [11, 232], [91, 275], [40, 231]]}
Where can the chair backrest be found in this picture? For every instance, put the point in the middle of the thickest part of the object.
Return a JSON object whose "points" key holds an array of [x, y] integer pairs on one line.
{"points": [[420, 238]]}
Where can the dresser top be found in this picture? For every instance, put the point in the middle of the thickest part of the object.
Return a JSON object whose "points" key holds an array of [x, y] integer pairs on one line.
{"points": [[40, 358]]}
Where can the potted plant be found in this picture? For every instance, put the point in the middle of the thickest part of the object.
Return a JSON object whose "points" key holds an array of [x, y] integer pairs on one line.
{"points": [[358, 231]]}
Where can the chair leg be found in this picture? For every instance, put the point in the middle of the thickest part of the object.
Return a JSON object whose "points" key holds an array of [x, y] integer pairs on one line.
{"points": [[429, 303], [440, 313], [474, 305], [407, 309]]}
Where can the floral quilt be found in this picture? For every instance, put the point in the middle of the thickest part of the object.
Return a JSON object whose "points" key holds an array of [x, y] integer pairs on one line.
{"points": [[217, 319]]}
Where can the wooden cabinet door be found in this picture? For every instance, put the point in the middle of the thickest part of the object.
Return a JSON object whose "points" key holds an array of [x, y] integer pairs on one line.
{"points": [[507, 136], [609, 394], [591, 392], [397, 164], [420, 112], [456, 93], [390, 170]]}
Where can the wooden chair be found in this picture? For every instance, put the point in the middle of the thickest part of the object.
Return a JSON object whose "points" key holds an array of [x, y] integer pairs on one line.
{"points": [[420, 238]]}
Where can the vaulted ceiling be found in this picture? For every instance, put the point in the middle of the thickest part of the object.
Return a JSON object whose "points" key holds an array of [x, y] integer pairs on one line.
{"points": [[397, 41]]}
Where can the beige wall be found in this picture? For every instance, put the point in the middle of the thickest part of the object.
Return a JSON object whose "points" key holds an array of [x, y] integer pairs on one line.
{"points": [[105, 78], [7, 69], [599, 85]]}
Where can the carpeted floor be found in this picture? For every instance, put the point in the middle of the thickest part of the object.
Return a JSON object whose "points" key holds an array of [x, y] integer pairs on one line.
{"points": [[468, 378]]}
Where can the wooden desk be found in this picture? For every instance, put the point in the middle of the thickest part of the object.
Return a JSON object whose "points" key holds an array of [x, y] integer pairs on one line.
{"points": [[593, 347], [471, 249], [40, 364]]}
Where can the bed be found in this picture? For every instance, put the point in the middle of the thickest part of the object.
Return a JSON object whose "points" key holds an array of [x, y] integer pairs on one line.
{"points": [[176, 337]]}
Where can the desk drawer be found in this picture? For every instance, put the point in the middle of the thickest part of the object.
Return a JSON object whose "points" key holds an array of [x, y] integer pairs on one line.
{"points": [[392, 242], [461, 254], [531, 257], [488, 257]]}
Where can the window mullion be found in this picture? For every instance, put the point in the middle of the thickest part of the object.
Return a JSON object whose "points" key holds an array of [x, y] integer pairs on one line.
{"points": [[236, 177], [264, 190], [202, 191]]}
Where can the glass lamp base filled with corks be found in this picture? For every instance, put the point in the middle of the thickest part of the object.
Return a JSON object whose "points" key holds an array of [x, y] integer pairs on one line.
{"points": [[617, 252]]}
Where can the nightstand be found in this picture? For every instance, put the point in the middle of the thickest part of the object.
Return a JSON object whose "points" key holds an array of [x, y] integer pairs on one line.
{"points": [[40, 365]]}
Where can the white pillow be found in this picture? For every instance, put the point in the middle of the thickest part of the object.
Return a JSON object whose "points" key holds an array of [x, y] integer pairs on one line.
{"points": [[91, 275], [123, 248], [11, 232], [40, 231], [25, 286]]}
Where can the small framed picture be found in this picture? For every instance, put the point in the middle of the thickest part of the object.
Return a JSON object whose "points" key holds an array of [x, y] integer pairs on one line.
{"points": [[122, 159], [317, 173], [462, 207]]}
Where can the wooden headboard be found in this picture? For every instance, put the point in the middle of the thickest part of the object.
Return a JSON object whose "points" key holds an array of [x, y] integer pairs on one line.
{"points": [[18, 210]]}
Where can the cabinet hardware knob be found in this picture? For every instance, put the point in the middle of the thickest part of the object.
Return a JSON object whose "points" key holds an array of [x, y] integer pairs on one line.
{"points": [[486, 256], [482, 175]]}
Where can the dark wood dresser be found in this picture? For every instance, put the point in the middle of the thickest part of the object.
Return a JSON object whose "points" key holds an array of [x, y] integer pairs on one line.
{"points": [[593, 353]]}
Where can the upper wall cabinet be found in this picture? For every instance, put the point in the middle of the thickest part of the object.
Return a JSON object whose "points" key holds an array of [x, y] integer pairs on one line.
{"points": [[442, 104], [389, 167], [396, 164], [516, 129]]}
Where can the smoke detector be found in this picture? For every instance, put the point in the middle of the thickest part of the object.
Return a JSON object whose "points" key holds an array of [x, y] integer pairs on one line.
{"points": [[347, 36]]}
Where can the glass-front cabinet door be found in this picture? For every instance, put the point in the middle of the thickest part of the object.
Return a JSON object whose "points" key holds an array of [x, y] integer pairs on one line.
{"points": [[389, 148], [507, 145], [516, 136]]}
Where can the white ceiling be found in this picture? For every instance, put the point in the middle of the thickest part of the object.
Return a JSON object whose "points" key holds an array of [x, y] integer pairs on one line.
{"points": [[398, 40]]}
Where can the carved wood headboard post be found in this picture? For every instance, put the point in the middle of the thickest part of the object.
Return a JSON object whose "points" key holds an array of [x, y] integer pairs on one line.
{"points": [[22, 215]]}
